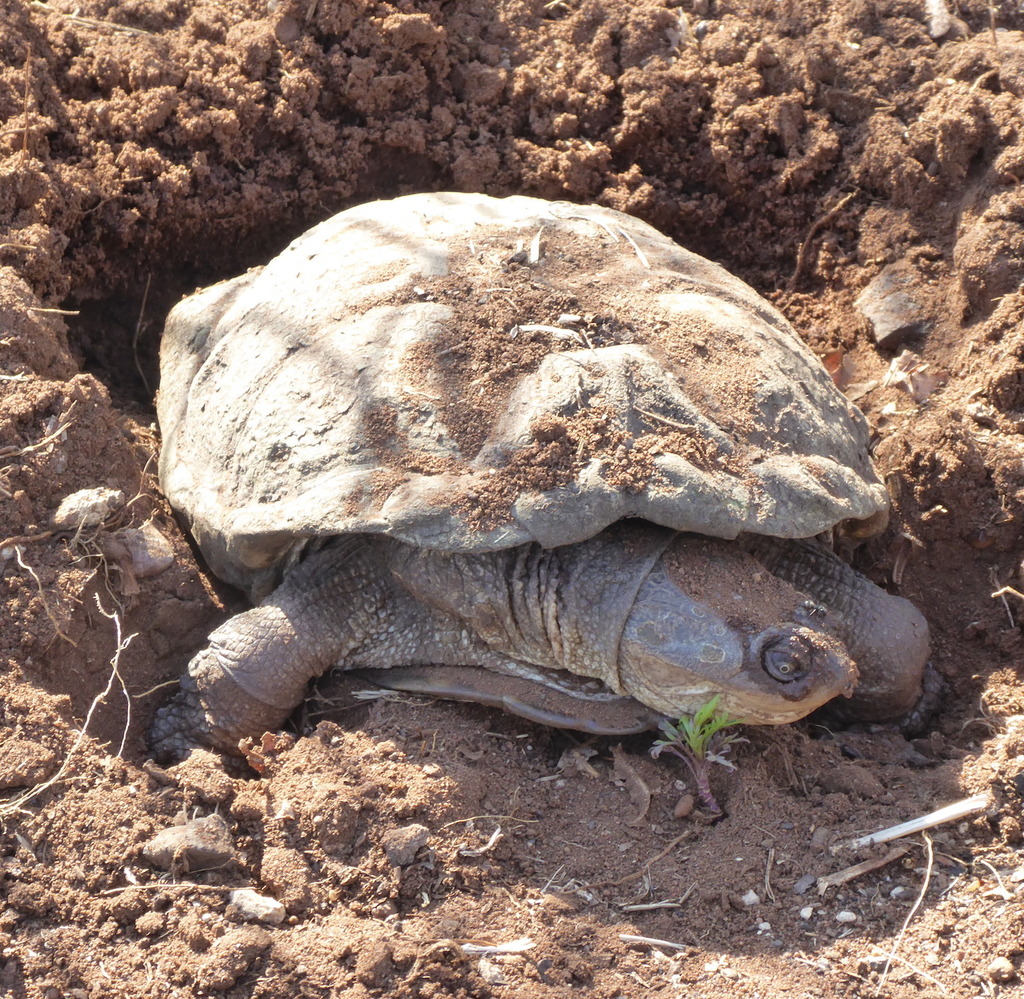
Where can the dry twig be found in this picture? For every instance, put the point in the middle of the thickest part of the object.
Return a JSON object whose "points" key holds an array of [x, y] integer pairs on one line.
{"points": [[88, 22], [812, 233], [849, 873], [13, 806]]}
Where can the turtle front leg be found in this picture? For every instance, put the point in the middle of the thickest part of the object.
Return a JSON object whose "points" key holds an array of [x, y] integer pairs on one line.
{"points": [[254, 671]]}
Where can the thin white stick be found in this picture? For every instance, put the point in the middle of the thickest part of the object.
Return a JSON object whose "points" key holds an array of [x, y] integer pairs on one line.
{"points": [[517, 946], [535, 247], [640, 253], [959, 809], [651, 941]]}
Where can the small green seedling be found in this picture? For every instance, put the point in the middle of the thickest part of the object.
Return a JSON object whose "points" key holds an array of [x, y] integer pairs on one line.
{"points": [[699, 741]]}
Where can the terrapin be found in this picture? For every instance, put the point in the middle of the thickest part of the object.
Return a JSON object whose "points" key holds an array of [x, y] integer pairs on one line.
{"points": [[523, 452]]}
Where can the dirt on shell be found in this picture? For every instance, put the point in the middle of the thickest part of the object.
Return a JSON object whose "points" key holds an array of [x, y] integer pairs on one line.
{"points": [[148, 147]]}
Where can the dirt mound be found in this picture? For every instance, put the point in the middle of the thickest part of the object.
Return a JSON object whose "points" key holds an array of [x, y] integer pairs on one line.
{"points": [[151, 146]]}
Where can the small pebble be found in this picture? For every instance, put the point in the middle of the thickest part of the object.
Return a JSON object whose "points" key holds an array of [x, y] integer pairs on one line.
{"points": [[891, 304], [684, 806], [751, 898], [86, 508], [490, 972], [804, 884], [198, 845], [807, 911], [149, 550], [845, 916], [820, 838], [254, 907], [401, 845], [1001, 970]]}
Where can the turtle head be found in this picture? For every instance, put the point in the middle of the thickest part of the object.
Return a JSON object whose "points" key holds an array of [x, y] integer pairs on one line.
{"points": [[759, 646]]}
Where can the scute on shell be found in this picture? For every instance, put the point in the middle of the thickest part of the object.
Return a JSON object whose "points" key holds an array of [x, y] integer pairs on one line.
{"points": [[385, 374]]}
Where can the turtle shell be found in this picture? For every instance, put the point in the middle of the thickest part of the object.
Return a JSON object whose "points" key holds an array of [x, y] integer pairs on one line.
{"points": [[472, 373]]}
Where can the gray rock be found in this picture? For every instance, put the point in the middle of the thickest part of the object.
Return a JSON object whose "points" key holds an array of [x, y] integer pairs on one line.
{"points": [[86, 508], [149, 550], [890, 303], [402, 845], [257, 908], [198, 845]]}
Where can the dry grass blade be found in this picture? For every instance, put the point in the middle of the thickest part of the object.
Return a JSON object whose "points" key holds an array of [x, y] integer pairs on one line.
{"points": [[88, 22], [652, 941], [910, 915], [641, 256], [950, 813], [639, 792], [138, 331], [13, 806], [42, 597], [643, 869], [17, 452]]}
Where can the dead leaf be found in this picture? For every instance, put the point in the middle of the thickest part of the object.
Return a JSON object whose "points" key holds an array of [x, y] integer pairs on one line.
{"points": [[574, 760], [639, 792], [116, 552], [915, 376]]}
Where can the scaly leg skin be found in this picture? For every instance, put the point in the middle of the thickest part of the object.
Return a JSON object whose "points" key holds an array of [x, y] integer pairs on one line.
{"points": [[256, 668]]}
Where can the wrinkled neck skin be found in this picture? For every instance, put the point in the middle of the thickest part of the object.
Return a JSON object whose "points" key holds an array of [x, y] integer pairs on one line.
{"points": [[558, 608], [886, 635]]}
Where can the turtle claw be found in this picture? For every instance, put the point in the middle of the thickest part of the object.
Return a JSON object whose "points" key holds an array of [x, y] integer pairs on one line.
{"points": [[179, 726], [919, 718]]}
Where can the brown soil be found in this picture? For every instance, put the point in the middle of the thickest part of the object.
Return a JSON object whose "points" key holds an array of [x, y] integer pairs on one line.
{"points": [[150, 146]]}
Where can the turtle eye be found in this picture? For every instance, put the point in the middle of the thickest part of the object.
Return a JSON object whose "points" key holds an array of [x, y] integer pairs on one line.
{"points": [[786, 659]]}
